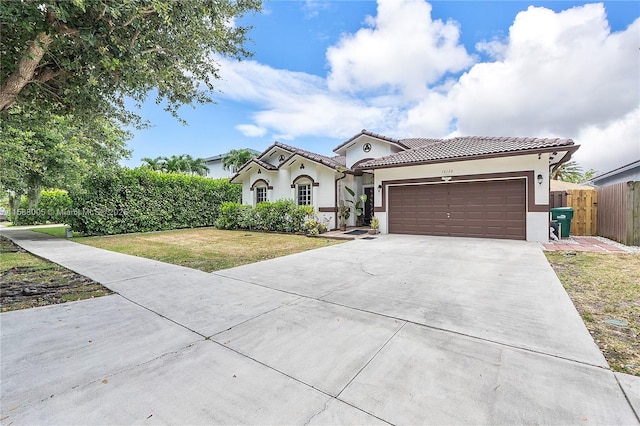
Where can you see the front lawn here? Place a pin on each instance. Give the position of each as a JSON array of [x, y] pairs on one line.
[[207, 249], [605, 288]]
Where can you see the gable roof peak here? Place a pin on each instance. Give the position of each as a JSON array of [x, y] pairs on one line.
[[365, 132]]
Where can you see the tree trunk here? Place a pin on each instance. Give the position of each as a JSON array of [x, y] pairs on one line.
[[25, 72], [34, 189], [14, 204]]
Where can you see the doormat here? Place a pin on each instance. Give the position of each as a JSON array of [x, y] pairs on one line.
[[368, 238], [357, 232]]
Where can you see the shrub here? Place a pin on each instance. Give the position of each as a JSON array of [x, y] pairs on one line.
[[54, 206], [280, 216], [142, 200], [313, 226]]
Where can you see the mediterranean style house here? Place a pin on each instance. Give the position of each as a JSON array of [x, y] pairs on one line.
[[491, 187]]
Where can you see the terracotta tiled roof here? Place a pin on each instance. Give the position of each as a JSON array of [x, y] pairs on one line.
[[419, 142], [333, 162], [253, 160], [426, 150], [340, 159], [373, 135], [264, 164]]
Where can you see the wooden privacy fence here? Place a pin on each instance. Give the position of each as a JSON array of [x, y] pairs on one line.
[[585, 208], [585, 211], [619, 212]]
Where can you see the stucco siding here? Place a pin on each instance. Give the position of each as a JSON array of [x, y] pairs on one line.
[[355, 153], [529, 165]]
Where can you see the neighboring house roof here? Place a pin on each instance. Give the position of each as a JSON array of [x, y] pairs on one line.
[[559, 185], [613, 173], [226, 154], [435, 150]]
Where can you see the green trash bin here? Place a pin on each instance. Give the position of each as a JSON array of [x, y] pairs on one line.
[[563, 215]]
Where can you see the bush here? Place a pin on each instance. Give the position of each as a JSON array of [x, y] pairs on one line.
[[280, 216], [54, 206], [142, 200]]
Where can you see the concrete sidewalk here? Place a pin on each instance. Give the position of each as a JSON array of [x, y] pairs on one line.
[[399, 330]]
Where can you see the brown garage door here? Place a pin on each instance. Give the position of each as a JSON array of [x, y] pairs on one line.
[[491, 209]]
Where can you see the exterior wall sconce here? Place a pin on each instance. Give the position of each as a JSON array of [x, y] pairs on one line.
[[301, 166], [540, 179], [446, 178], [380, 188]]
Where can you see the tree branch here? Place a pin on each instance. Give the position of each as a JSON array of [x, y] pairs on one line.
[[47, 74], [24, 73], [156, 50]]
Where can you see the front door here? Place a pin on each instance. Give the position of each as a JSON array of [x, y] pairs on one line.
[[368, 206]]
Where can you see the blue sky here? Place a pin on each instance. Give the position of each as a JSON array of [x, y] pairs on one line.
[[324, 70]]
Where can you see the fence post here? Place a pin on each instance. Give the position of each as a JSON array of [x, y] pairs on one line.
[[633, 214]]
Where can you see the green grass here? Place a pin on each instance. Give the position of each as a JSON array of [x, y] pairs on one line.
[[605, 286], [207, 249], [12, 260], [57, 231]]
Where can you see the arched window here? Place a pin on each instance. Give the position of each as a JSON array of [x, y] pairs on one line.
[[259, 189], [304, 190]]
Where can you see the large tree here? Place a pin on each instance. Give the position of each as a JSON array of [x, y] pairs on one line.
[[88, 56], [41, 150]]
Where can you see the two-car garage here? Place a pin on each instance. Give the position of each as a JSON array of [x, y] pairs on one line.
[[485, 209]]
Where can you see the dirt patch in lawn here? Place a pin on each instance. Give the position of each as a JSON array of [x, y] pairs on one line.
[[605, 288], [207, 249], [27, 281]]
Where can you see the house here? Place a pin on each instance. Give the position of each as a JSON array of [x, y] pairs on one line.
[[626, 173], [216, 169], [492, 187]]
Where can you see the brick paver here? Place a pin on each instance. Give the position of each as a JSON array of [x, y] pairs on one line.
[[582, 244]]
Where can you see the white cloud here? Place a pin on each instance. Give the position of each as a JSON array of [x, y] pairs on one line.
[[294, 104], [312, 8], [251, 130], [611, 146], [561, 71], [402, 48], [555, 74]]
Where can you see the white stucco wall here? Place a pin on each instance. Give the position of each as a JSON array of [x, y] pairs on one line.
[[216, 171], [379, 149], [282, 179], [537, 222]]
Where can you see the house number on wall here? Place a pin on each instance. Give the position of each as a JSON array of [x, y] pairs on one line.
[[447, 171], [366, 147]]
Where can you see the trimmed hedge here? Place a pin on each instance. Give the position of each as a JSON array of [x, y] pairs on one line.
[[280, 216], [142, 200], [54, 207]]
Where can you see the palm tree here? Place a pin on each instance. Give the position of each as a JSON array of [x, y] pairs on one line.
[[157, 164], [236, 158], [199, 167], [177, 164], [571, 171]]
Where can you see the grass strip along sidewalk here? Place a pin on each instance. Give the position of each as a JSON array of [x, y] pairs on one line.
[[26, 281], [605, 288]]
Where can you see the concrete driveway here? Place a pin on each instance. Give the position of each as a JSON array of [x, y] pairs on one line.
[[400, 330]]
